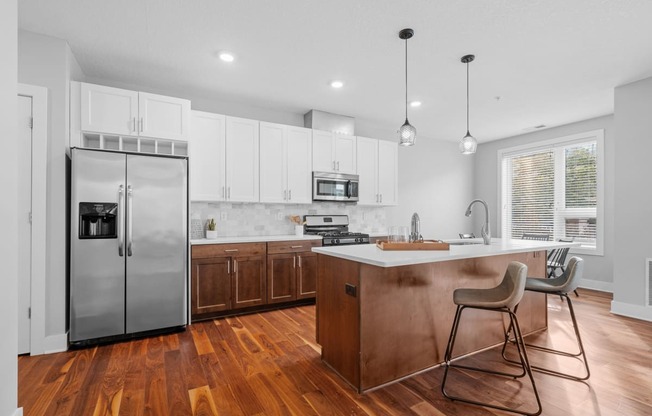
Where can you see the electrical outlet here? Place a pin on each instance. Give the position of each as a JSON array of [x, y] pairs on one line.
[[223, 215], [279, 216]]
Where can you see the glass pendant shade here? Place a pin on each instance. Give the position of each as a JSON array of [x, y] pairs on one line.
[[468, 144], [407, 133]]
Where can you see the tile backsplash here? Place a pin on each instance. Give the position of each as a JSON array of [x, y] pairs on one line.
[[240, 219]]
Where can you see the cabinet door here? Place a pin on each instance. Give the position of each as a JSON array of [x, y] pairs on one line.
[[248, 281], [211, 285], [345, 159], [388, 172], [163, 117], [299, 165], [322, 151], [242, 147], [281, 281], [109, 110], [273, 163], [367, 155], [207, 157], [306, 275]]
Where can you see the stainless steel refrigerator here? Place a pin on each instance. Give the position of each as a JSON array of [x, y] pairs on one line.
[[129, 244]]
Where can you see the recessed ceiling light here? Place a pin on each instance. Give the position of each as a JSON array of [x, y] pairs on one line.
[[337, 84], [227, 56], [415, 103]]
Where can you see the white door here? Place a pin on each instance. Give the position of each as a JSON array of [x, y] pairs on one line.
[[273, 163], [299, 165], [242, 160], [207, 157], [163, 117], [345, 159], [388, 172], [367, 155], [109, 110], [24, 224], [322, 151]]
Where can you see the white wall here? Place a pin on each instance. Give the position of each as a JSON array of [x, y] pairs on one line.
[[8, 209], [598, 272], [435, 180], [48, 62], [633, 206]]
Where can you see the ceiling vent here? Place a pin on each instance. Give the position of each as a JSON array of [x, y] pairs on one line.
[[321, 120]]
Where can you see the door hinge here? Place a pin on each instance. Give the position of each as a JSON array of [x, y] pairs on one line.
[[31, 122], [29, 313]]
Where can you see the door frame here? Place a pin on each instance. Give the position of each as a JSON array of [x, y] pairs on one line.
[[39, 97]]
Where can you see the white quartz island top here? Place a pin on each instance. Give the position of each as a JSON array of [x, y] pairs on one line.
[[254, 239], [371, 254]]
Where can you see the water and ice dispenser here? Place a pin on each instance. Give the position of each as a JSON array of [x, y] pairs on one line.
[[97, 220]]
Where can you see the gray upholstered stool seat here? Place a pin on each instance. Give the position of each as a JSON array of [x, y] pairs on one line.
[[503, 298], [562, 286]]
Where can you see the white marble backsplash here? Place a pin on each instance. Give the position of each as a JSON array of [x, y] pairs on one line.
[[241, 220]]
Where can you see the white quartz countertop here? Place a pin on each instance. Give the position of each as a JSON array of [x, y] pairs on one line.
[[255, 239], [371, 254]]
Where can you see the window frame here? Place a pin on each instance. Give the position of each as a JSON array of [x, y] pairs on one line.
[[550, 144]]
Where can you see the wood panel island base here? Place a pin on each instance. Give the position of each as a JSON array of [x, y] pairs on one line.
[[379, 323]]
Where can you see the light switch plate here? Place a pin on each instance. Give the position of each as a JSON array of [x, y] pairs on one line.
[[279, 216], [223, 215]]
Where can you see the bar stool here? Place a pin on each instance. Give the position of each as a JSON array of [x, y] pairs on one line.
[[562, 286], [503, 298]]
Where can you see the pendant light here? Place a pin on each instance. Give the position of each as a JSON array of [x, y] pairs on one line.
[[407, 132], [468, 144]]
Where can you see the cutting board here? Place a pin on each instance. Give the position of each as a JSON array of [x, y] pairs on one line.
[[424, 245]]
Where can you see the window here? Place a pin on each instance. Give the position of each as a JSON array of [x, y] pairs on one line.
[[555, 187]]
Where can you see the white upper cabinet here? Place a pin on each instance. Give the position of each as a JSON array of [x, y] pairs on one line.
[[377, 162], [109, 110], [130, 113], [242, 159], [164, 117], [285, 164], [207, 157], [332, 152]]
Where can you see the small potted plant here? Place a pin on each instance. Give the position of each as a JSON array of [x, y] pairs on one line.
[[211, 232]]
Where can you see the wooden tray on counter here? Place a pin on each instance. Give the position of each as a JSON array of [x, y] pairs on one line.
[[423, 245]]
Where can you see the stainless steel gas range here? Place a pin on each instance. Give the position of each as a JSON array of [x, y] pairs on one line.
[[334, 230]]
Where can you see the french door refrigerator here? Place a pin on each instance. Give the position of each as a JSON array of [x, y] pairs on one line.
[[129, 244]]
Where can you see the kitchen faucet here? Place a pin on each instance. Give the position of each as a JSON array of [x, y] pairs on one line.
[[415, 231], [486, 231]]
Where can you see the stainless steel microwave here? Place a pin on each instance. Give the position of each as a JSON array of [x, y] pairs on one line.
[[328, 186]]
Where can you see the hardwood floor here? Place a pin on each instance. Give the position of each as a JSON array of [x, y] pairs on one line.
[[268, 364]]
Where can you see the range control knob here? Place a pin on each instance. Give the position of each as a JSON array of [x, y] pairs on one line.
[[337, 241]]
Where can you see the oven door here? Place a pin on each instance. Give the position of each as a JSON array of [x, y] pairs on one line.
[[334, 187]]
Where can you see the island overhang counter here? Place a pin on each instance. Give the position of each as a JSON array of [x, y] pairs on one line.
[[386, 315]]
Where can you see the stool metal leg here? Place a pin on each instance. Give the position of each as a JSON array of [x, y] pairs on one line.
[[581, 354], [522, 355]]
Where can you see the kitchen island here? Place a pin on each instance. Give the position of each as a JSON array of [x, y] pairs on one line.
[[386, 315]]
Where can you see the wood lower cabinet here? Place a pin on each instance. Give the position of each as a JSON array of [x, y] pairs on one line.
[[226, 277], [291, 270]]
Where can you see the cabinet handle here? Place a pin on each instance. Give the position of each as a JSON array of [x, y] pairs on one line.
[[134, 124], [294, 263], [141, 124], [285, 195], [223, 194], [381, 198], [377, 198], [338, 166], [290, 195], [228, 193], [231, 250], [299, 261], [228, 267], [296, 246], [235, 266]]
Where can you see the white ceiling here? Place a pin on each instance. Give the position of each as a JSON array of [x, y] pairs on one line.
[[551, 62]]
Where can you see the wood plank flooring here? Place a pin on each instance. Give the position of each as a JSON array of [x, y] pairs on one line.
[[269, 364]]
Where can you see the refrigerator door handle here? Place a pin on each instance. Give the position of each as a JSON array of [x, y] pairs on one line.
[[121, 221], [130, 200]]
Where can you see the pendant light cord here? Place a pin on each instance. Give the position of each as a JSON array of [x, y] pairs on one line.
[[467, 98], [406, 78]]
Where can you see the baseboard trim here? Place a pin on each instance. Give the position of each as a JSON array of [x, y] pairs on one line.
[[597, 285], [18, 412], [631, 310], [55, 343]]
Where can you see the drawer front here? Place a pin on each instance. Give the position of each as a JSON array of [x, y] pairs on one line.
[[296, 246], [215, 250]]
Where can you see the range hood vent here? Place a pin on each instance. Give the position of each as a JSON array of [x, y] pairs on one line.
[[321, 120]]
